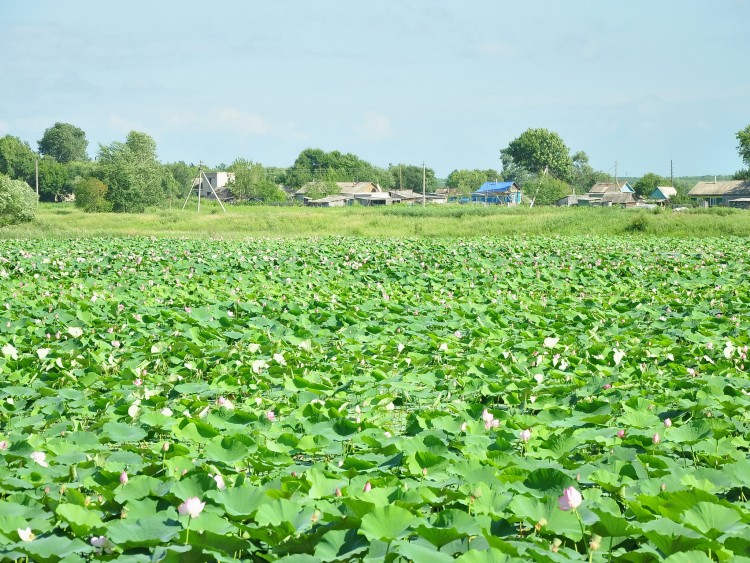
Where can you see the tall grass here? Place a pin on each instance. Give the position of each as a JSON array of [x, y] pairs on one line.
[[65, 221]]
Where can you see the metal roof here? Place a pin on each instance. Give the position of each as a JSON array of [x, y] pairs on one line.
[[493, 187], [732, 187]]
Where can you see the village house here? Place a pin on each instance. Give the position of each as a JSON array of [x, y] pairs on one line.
[[346, 189], [733, 193], [210, 182], [662, 194], [503, 193]]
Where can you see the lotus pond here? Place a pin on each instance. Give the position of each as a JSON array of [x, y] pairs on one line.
[[346, 399]]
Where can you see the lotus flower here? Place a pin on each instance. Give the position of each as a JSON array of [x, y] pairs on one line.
[[621, 433], [219, 481], [271, 416], [367, 488], [656, 439], [26, 534], [3, 444], [667, 423], [40, 458], [102, 543], [123, 478], [570, 499], [525, 435], [192, 506]]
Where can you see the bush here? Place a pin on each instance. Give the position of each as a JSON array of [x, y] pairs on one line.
[[91, 195], [17, 201]]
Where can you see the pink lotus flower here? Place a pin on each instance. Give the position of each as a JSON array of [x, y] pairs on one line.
[[219, 481], [570, 499], [192, 506], [656, 439], [621, 433], [102, 543], [525, 435], [367, 488], [40, 458], [123, 478], [3, 444], [271, 416], [667, 423]]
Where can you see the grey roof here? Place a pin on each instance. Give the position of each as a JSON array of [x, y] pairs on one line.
[[666, 191], [606, 187], [618, 198], [720, 189]]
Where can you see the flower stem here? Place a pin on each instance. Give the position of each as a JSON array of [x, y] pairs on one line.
[[187, 534], [583, 534]]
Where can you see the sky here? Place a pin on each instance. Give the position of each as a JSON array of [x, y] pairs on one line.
[[635, 84]]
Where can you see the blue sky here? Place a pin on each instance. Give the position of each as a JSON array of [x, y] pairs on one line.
[[639, 82]]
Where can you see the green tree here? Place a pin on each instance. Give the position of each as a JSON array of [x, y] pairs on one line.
[[538, 149], [184, 174], [646, 185], [18, 201], [251, 183], [54, 184], [546, 190], [409, 177], [64, 142], [316, 190], [743, 148], [91, 195], [468, 181], [316, 164], [135, 179], [16, 159]]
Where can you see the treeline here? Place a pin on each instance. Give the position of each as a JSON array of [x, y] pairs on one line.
[[127, 176]]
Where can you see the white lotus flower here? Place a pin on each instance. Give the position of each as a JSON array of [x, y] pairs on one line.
[[10, 351], [40, 458], [102, 543], [75, 331], [259, 365], [26, 534]]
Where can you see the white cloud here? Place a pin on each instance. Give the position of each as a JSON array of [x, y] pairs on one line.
[[248, 123], [374, 126]]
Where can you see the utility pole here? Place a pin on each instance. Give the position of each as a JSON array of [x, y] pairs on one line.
[[424, 183], [36, 175], [671, 173]]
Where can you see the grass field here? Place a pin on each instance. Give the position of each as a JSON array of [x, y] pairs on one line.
[[65, 221]]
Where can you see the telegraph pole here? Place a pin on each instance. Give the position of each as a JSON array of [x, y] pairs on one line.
[[36, 175], [424, 183]]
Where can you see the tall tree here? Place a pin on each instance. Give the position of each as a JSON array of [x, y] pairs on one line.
[[17, 201], [316, 164], [468, 181], [409, 177], [135, 179], [64, 142], [252, 184], [54, 184], [743, 148], [16, 159], [646, 185], [538, 149]]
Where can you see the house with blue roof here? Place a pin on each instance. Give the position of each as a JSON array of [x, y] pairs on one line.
[[502, 193]]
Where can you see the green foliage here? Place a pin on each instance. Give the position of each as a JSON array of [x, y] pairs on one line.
[[16, 159], [316, 190], [324, 403], [184, 174], [546, 190], [316, 164], [743, 146], [134, 177], [54, 183], [91, 195], [65, 143], [18, 202], [410, 177], [468, 181], [251, 183], [646, 185], [536, 150]]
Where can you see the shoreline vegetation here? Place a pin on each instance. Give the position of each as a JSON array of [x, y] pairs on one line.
[[64, 221]]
